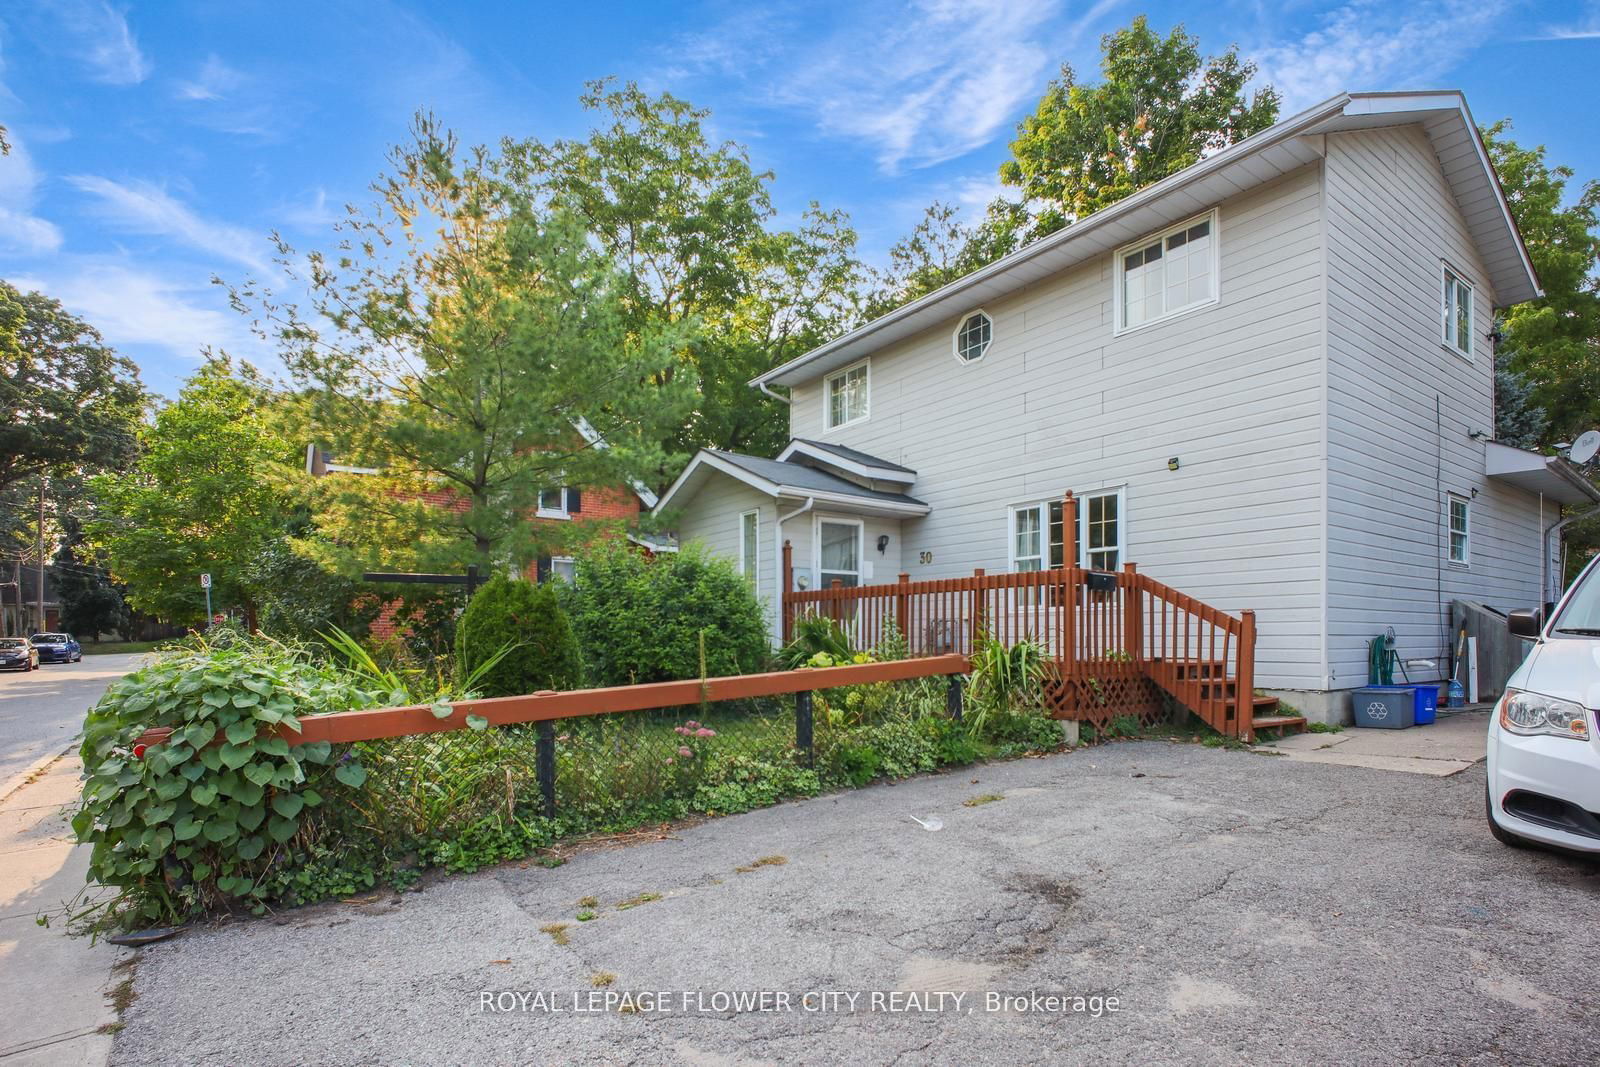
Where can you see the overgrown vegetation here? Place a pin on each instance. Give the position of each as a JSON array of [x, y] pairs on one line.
[[528, 623]]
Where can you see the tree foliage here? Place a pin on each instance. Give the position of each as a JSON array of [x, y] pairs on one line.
[[208, 492], [1160, 107], [474, 346], [687, 221], [67, 401], [528, 621], [1552, 345]]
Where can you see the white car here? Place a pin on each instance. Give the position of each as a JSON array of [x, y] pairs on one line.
[[1544, 744]]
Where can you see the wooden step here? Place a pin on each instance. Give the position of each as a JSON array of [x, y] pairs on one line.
[[1279, 722]]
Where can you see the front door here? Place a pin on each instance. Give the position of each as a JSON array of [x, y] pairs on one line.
[[838, 552]]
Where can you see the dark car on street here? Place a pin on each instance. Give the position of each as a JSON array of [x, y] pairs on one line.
[[17, 654], [57, 648]]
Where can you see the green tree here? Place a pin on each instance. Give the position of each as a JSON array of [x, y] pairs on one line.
[[1552, 345], [687, 222], [1160, 107], [208, 492], [92, 602], [528, 621], [942, 248], [67, 401], [473, 345]]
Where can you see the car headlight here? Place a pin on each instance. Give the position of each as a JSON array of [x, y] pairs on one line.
[[1533, 713]]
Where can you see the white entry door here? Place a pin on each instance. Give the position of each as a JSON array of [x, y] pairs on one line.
[[838, 552]]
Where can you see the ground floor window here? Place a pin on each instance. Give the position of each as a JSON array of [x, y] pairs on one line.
[[838, 552], [749, 545], [1038, 533], [1460, 518]]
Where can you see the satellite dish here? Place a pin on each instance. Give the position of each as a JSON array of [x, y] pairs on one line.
[[1585, 447]]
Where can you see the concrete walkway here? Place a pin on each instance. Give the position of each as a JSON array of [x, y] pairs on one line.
[[1448, 746]]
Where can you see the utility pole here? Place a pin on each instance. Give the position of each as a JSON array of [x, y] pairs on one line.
[[41, 554]]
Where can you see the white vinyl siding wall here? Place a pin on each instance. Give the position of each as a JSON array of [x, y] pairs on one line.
[[1391, 222], [1233, 389], [713, 517]]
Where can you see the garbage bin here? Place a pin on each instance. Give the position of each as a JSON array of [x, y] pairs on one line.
[[1392, 707]]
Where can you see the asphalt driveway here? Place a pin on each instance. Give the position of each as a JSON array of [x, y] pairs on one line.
[[1242, 908]]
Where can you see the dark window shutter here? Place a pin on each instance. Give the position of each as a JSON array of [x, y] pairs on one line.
[[543, 569], [574, 501]]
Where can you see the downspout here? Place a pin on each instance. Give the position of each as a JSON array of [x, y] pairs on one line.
[[777, 564], [776, 396]]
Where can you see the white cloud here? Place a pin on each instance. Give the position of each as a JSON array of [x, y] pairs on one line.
[[100, 36], [1377, 44], [1585, 29], [315, 214], [214, 81], [131, 306], [924, 82], [143, 208], [21, 231]]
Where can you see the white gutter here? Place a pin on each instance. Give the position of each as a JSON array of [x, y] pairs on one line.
[[777, 565], [768, 390]]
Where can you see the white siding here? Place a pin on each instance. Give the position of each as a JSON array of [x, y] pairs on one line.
[[711, 517], [1391, 458], [1234, 390]]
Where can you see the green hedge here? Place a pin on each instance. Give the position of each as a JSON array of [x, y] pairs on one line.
[[528, 622]]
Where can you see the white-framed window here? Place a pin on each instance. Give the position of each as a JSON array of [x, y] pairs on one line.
[[1038, 537], [839, 552], [553, 504], [1167, 273], [564, 569], [973, 337], [845, 396], [749, 544], [1458, 519], [1456, 313]]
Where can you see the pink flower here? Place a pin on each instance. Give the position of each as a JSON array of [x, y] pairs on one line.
[[669, 761], [691, 724], [704, 732], [684, 730], [561, 737], [686, 752]]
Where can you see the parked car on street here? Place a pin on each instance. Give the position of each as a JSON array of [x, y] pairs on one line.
[[18, 654], [57, 648], [1544, 748]]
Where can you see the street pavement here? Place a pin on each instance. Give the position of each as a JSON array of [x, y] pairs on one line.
[[1243, 908], [41, 712], [52, 987]]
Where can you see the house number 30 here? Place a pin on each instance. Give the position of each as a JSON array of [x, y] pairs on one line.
[[925, 557]]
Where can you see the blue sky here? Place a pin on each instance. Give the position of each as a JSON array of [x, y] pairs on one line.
[[157, 144]]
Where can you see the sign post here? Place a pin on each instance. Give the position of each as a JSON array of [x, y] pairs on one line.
[[205, 583]]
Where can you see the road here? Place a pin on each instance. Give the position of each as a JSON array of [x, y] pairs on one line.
[[1243, 908], [42, 712]]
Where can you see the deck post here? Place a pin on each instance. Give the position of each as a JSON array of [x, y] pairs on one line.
[[803, 725], [1245, 679], [1132, 613], [1069, 585], [953, 693], [545, 766], [902, 608], [978, 601], [786, 608]]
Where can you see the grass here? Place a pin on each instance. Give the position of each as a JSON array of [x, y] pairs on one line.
[[113, 648], [634, 902], [979, 801], [588, 902], [601, 979], [557, 932], [764, 861]]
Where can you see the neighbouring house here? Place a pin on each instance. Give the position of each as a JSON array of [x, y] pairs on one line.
[[601, 508], [1268, 380]]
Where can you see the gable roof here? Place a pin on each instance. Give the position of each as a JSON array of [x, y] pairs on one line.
[[776, 478], [1275, 151], [851, 460]]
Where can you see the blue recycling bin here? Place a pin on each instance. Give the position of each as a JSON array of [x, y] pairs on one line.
[[1424, 701]]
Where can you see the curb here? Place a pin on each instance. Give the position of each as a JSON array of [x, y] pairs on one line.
[[25, 778]]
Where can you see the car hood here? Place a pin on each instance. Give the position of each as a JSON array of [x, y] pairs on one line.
[[1565, 668]]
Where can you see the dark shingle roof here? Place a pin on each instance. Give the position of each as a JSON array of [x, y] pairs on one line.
[[856, 456], [801, 477]]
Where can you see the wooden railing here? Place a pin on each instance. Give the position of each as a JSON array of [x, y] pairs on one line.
[[1111, 634]]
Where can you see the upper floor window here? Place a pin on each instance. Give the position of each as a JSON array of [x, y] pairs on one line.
[[1457, 313], [559, 503], [973, 337], [1460, 517], [846, 396], [1167, 274]]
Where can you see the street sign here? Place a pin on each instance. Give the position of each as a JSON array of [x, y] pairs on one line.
[[205, 581]]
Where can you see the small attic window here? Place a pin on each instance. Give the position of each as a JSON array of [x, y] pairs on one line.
[[973, 337]]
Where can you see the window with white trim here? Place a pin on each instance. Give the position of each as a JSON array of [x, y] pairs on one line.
[[838, 552], [973, 337], [846, 396], [749, 544], [552, 504], [1168, 273], [1459, 518], [1038, 535], [1456, 313], [564, 569]]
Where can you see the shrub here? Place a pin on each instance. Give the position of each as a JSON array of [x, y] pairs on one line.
[[528, 621], [815, 635], [642, 619], [206, 818]]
